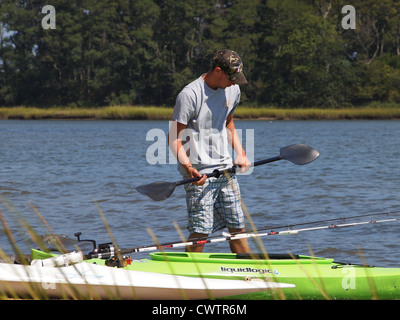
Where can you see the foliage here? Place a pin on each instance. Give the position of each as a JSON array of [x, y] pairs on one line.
[[127, 52]]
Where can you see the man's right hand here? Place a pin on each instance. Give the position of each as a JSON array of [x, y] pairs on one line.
[[193, 173]]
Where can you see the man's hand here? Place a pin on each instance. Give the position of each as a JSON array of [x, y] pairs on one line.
[[243, 162], [193, 173]]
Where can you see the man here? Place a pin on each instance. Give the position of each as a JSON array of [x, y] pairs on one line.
[[201, 130]]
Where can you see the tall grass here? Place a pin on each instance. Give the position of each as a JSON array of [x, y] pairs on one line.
[[35, 290], [372, 112]]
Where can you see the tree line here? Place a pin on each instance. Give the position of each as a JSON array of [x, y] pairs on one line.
[[296, 53]]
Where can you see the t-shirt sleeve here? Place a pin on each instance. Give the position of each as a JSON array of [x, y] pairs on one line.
[[236, 102], [184, 108]]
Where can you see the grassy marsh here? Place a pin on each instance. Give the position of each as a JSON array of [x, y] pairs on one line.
[[165, 113], [105, 113]]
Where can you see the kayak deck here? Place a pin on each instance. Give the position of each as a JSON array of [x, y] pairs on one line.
[[312, 277]]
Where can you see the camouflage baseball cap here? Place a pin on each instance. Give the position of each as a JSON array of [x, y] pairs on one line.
[[230, 62]]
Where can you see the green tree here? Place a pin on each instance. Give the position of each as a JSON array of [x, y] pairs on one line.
[[58, 57], [305, 57], [104, 52], [18, 55]]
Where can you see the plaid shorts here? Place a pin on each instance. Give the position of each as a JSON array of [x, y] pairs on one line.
[[214, 205]]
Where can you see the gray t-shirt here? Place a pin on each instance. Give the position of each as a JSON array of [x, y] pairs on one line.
[[204, 111]]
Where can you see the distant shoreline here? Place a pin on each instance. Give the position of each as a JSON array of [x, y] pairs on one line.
[[165, 113]]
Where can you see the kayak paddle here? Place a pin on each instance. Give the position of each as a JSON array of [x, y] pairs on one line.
[[297, 153]]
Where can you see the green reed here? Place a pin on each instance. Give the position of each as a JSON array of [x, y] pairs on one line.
[[37, 292]]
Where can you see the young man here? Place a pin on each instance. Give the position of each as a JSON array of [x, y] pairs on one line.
[[201, 130]]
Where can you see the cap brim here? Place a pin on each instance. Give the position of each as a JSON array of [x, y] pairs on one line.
[[240, 79]]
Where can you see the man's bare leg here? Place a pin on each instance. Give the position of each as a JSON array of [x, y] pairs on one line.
[[237, 246], [240, 245], [196, 247]]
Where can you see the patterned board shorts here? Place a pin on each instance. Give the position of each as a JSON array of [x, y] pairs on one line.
[[215, 205]]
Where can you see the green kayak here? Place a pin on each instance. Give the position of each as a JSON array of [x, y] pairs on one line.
[[313, 277]]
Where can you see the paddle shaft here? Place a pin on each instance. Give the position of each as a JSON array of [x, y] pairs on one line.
[[217, 173]]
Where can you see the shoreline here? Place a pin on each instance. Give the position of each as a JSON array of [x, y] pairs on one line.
[[165, 113]]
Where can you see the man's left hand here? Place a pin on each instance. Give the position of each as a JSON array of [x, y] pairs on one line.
[[243, 162]]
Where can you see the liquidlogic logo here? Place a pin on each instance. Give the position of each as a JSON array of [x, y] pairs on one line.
[[246, 270]]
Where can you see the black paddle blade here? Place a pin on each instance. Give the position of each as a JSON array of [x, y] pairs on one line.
[[299, 154], [157, 191]]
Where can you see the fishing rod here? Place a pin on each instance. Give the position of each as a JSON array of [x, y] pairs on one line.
[[296, 231], [242, 235], [107, 250], [289, 226]]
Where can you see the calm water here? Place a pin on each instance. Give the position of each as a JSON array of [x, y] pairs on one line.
[[69, 170]]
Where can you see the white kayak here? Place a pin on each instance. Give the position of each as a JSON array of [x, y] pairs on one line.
[[84, 280]]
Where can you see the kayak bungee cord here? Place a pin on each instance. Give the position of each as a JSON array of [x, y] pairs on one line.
[[107, 250]]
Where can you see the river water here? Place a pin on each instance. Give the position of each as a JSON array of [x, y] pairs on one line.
[[69, 171]]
